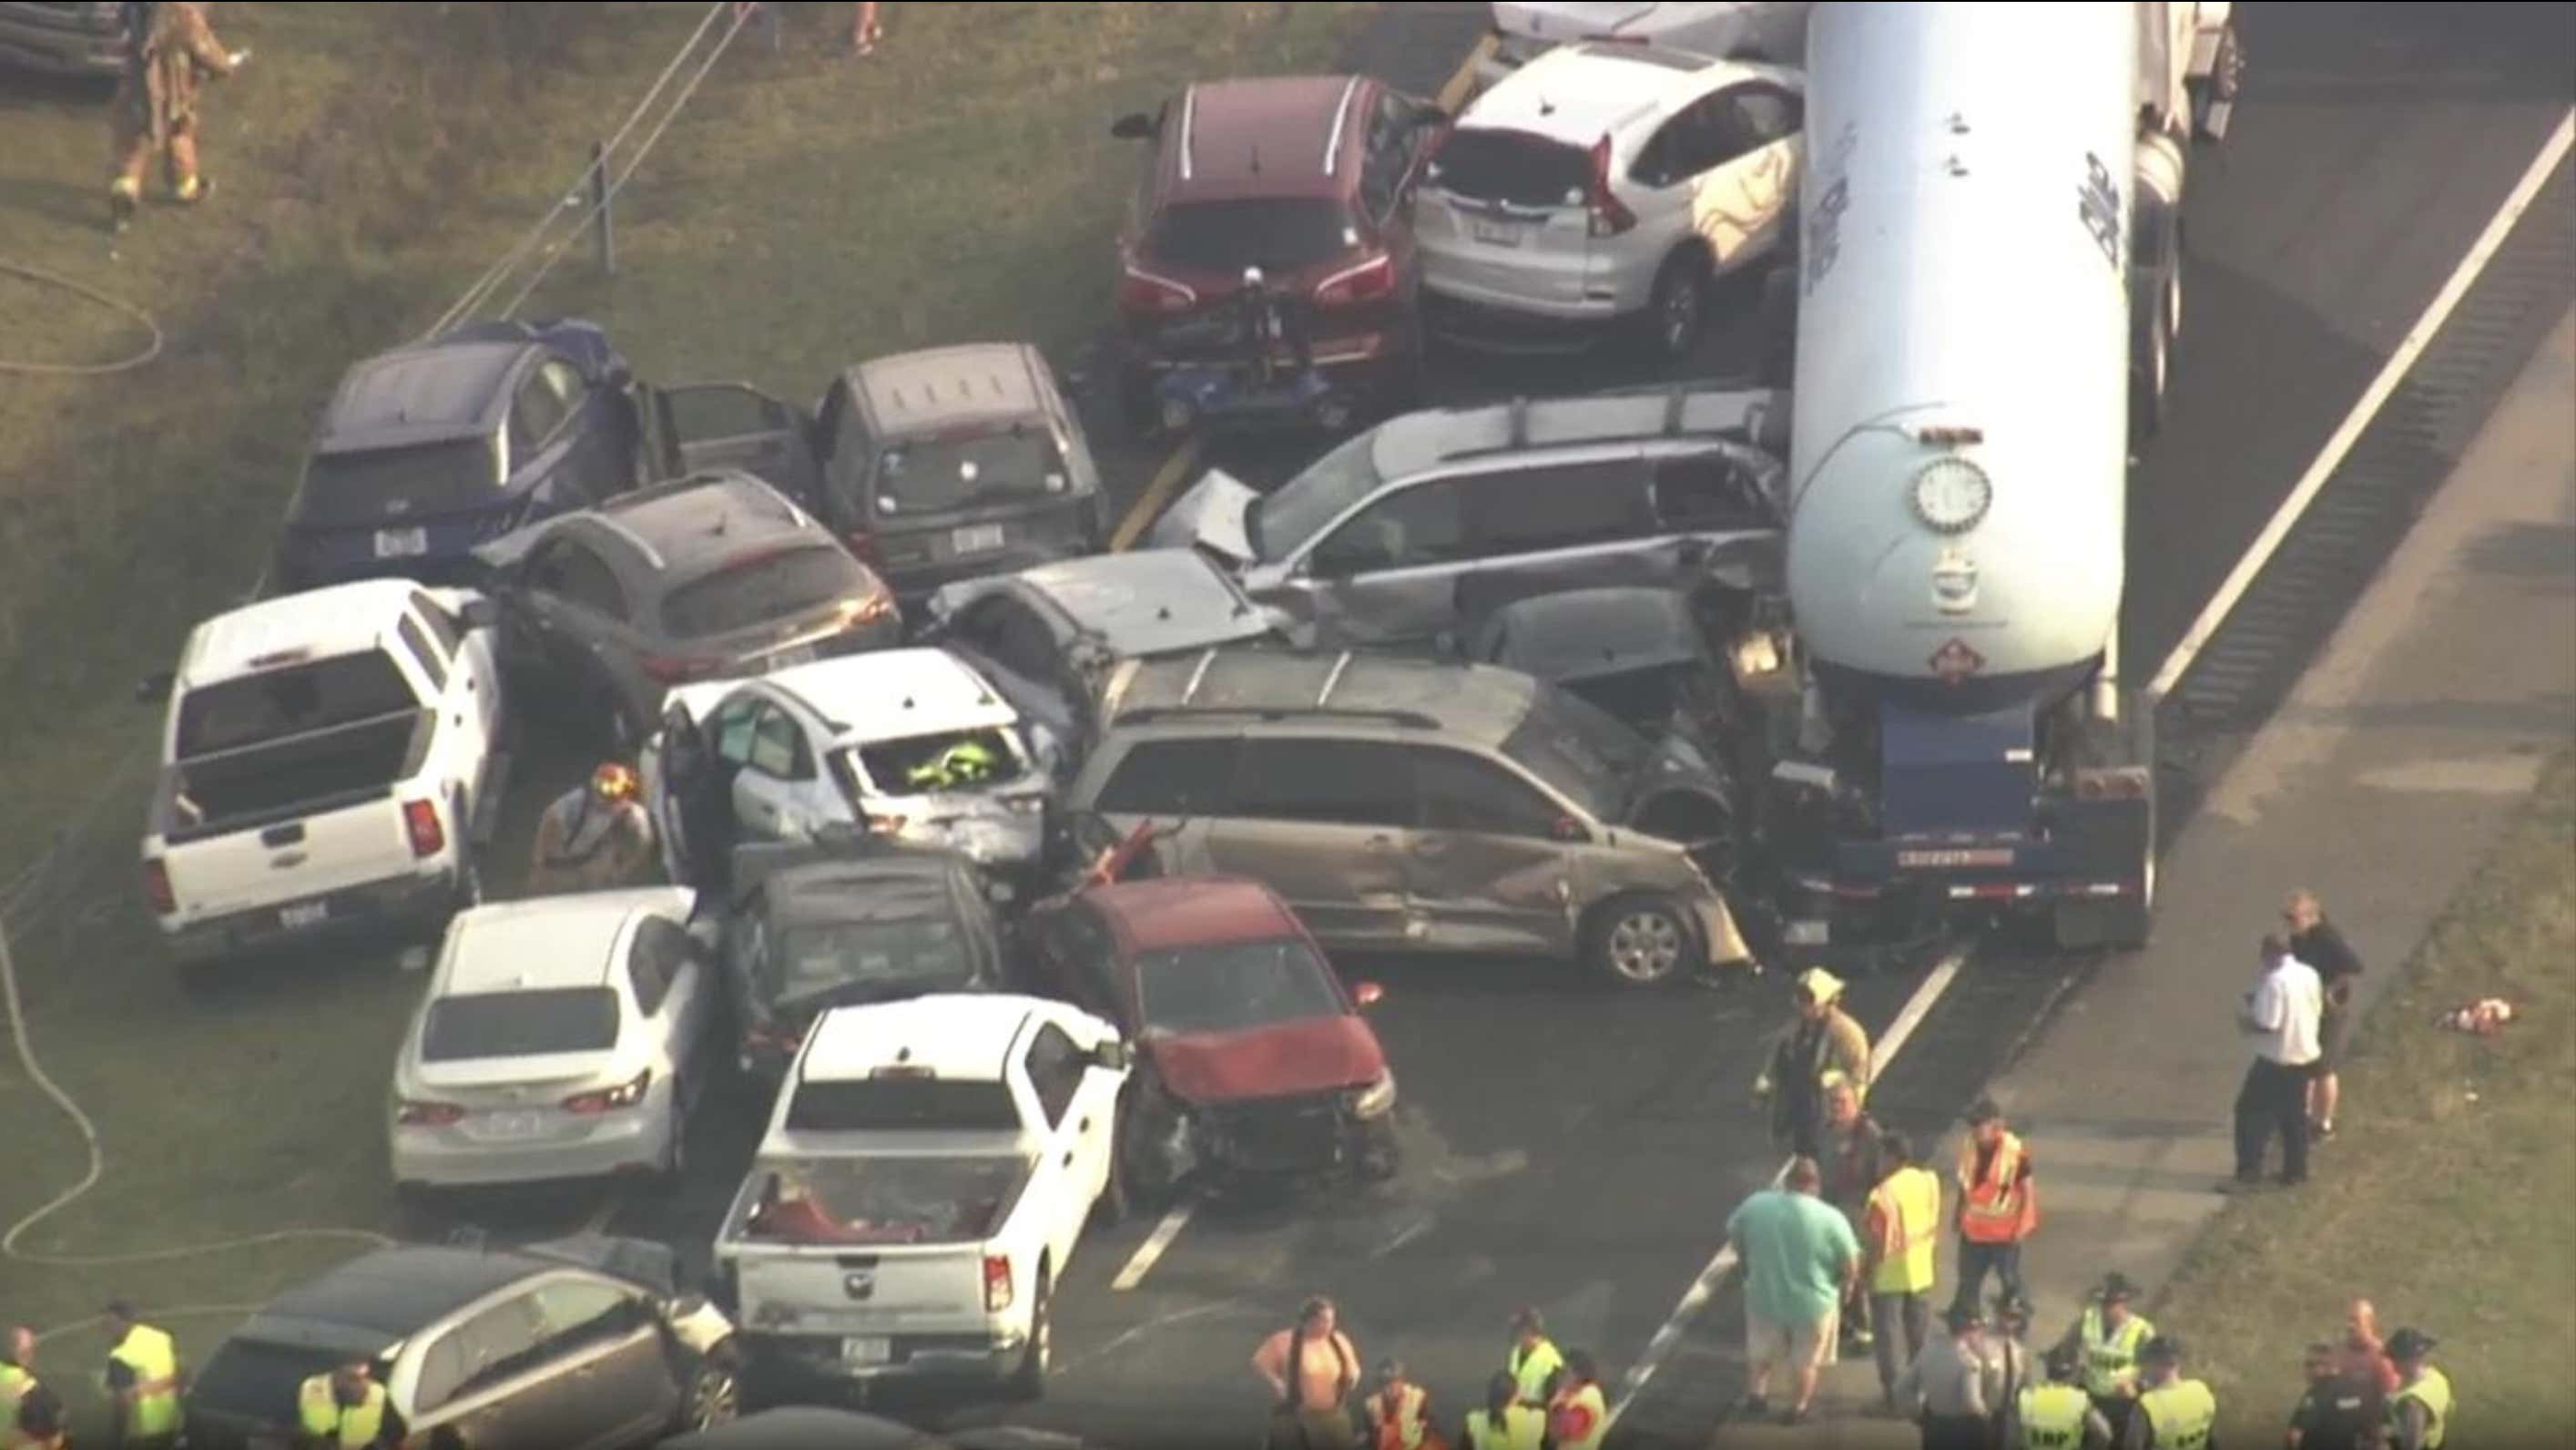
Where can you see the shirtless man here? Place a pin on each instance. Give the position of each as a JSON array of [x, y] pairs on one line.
[[1311, 1369]]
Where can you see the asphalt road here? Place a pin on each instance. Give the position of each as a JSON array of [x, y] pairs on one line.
[[1577, 1150]]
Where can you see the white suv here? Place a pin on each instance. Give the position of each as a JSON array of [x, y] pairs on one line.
[[1607, 182]]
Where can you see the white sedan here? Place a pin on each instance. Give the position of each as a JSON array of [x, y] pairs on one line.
[[563, 1037]]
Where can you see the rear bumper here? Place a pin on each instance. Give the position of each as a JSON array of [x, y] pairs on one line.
[[1488, 326], [447, 1158], [957, 1359], [350, 914], [1361, 364]]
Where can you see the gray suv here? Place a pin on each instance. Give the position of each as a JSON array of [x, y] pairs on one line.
[[1411, 805], [1412, 530]]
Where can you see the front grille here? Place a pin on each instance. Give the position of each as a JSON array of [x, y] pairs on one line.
[[1280, 1134]]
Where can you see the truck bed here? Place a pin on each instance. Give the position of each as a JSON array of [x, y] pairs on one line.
[[258, 785]]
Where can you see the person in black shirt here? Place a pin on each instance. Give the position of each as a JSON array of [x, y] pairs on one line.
[[2314, 940], [2338, 1412]]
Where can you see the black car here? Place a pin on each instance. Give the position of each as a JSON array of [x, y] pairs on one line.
[[705, 577], [429, 450], [846, 921], [585, 1344]]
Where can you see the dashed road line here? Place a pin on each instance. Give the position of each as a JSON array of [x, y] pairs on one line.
[[1149, 505], [1151, 1251]]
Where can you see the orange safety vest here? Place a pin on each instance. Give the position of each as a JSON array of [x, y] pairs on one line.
[[1400, 1425], [1995, 1209]]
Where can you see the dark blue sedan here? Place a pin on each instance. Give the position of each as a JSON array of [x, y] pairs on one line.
[[430, 450]]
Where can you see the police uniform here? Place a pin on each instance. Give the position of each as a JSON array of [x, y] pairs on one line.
[[2175, 1414], [143, 1370], [1531, 1369], [2110, 1354], [330, 1425], [2426, 1390]]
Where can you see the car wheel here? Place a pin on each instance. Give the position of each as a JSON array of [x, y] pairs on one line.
[[1640, 941], [715, 1392], [1677, 310], [1030, 1382]]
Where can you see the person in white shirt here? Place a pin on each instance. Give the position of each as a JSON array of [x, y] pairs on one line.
[[2281, 1014]]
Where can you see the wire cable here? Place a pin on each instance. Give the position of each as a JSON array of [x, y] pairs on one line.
[[42, 278]]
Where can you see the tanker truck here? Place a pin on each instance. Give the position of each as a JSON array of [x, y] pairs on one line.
[[1988, 292]]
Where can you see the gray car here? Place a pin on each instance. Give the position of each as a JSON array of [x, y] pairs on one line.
[[1410, 530], [71, 37], [1411, 805], [934, 466], [706, 577], [1048, 637]]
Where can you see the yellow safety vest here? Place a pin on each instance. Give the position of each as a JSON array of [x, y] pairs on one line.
[[1909, 1209], [1588, 1398], [2182, 1412], [2111, 1359], [1531, 1369], [154, 1359], [352, 1427], [1523, 1428], [2432, 1390], [1405, 1417], [14, 1384], [2052, 1417]]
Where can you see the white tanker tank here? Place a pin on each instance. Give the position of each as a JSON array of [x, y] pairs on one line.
[[1987, 284]]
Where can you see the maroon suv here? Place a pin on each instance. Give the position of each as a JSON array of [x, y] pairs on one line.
[[1251, 1061], [1310, 179]]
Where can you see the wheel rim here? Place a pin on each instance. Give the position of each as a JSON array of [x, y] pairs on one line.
[[1681, 314], [718, 1399], [1645, 946]]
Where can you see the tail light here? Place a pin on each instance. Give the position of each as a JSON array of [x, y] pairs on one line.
[[624, 1095], [1142, 291], [428, 837], [1608, 218], [1366, 282], [997, 1283], [678, 669], [427, 1115], [156, 885]]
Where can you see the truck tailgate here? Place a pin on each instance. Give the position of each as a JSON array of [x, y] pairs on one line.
[[302, 856], [855, 1291]]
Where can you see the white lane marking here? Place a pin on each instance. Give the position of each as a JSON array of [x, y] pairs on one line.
[[1412, 1231], [1131, 1335], [1152, 1249], [2372, 399], [597, 1223], [1704, 1288]]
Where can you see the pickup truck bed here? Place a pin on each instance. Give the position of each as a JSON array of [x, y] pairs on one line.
[[237, 790]]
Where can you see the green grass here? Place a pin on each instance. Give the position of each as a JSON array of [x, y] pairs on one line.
[[2445, 1197], [808, 211]]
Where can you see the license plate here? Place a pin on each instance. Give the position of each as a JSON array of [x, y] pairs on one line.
[[1940, 860], [976, 539], [867, 1351], [1807, 934], [296, 918], [1499, 234], [512, 1125], [401, 543]]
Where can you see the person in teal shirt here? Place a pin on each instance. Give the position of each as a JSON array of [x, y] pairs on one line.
[[1800, 1258]]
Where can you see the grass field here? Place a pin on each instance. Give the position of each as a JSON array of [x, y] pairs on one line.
[[2444, 1198], [807, 211]]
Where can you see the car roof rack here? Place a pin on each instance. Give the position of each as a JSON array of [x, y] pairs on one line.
[[1147, 714]]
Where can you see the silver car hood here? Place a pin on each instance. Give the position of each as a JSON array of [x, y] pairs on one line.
[[1214, 515]]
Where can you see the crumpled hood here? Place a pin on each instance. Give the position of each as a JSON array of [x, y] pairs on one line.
[[1312, 1056]]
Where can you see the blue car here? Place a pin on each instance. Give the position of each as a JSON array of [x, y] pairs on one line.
[[430, 450]]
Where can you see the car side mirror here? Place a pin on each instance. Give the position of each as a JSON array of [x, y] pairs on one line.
[[1368, 994], [1134, 126], [154, 687], [481, 614], [1567, 829]]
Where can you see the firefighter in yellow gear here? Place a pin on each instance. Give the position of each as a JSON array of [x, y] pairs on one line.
[[595, 837], [143, 1381], [2173, 1413], [172, 49], [343, 1410]]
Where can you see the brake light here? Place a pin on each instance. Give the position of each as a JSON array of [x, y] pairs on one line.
[[428, 837], [1365, 282], [678, 669], [997, 1283], [1607, 217], [427, 1115], [1143, 291], [156, 885], [624, 1095]]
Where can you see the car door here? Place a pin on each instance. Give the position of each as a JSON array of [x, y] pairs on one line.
[[1385, 574], [1743, 198], [604, 1342], [668, 981], [507, 1395], [734, 425], [1718, 519], [1182, 785], [577, 613], [1078, 962], [1400, 138], [1078, 1131], [1487, 868], [777, 764], [465, 741], [1323, 822], [1553, 526]]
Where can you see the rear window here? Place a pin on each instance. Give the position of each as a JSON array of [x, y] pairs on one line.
[[766, 590], [968, 470], [926, 953], [887, 1200], [257, 1380], [1513, 167], [903, 1104], [1274, 234], [381, 484], [296, 700], [926, 764], [520, 1024]]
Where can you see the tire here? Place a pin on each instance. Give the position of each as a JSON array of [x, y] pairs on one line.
[[1640, 941], [1676, 315], [714, 1394], [1028, 1383]]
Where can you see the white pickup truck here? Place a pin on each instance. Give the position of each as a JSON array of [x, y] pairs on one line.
[[927, 1174], [327, 760]]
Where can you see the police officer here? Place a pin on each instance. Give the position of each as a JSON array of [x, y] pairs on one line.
[[2056, 1415], [344, 1410], [2173, 1413], [2419, 1414], [1533, 1361], [595, 837], [143, 1381], [1505, 1423], [2108, 1335]]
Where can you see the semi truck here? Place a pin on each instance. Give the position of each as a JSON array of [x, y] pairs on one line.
[[1987, 288]]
